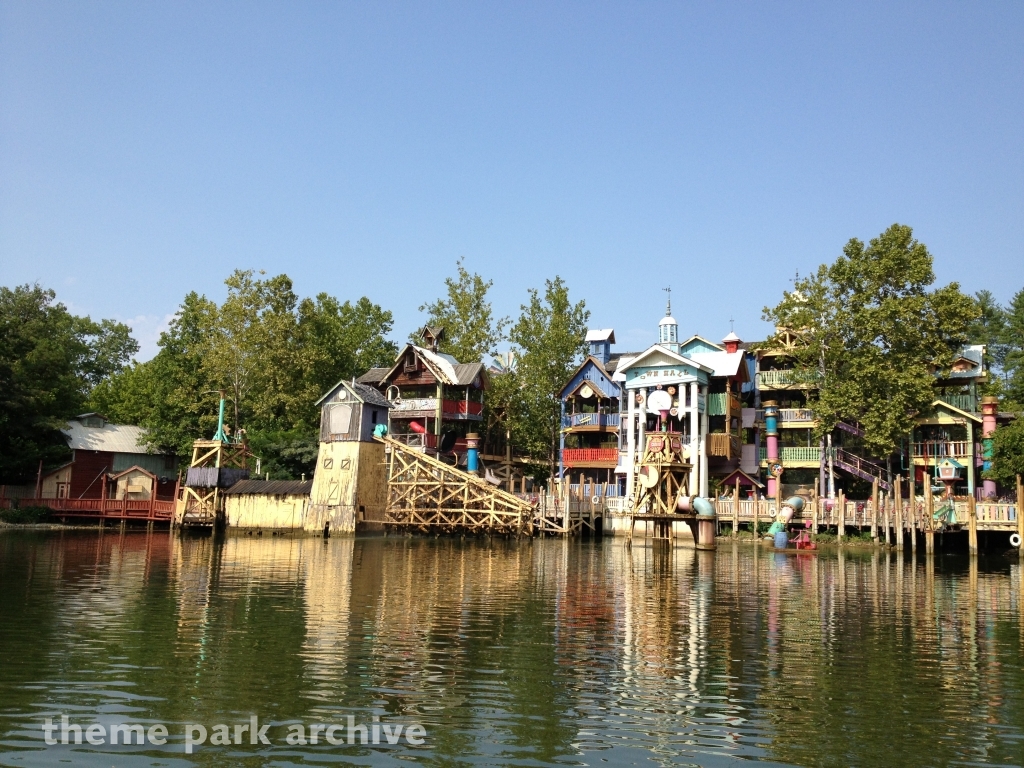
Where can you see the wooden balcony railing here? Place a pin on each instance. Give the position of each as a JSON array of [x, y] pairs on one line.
[[795, 453], [721, 444], [572, 456], [590, 420], [941, 449]]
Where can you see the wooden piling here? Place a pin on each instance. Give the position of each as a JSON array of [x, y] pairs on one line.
[[929, 513], [874, 510], [1020, 528], [898, 499], [972, 525], [815, 510], [913, 512], [736, 510], [841, 506]]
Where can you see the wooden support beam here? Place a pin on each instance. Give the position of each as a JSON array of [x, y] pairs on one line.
[[972, 525], [929, 512], [898, 499], [874, 510], [841, 507]]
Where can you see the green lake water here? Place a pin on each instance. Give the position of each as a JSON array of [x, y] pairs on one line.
[[531, 652]]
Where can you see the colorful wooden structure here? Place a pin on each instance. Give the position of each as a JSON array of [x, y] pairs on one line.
[[434, 398], [589, 443]]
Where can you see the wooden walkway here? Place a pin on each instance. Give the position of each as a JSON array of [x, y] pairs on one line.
[[141, 510]]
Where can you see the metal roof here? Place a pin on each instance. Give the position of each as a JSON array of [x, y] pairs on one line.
[[362, 392], [601, 334], [373, 376], [270, 488], [114, 438]]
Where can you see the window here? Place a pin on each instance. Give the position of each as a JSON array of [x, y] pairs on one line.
[[373, 417]]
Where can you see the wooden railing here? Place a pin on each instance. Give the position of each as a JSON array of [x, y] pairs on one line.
[[721, 444], [571, 456], [940, 449], [118, 509], [590, 420], [795, 453]]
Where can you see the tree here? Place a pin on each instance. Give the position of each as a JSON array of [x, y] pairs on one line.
[[872, 334], [1013, 339], [273, 355], [341, 341], [49, 361], [1008, 452], [549, 344], [990, 329], [471, 331]]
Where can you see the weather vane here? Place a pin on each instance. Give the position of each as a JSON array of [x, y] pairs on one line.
[[668, 307]]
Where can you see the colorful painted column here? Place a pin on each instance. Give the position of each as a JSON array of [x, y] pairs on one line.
[[989, 407], [472, 453], [771, 429]]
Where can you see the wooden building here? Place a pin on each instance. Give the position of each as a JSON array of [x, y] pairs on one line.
[[349, 485], [100, 449], [267, 504], [431, 394], [590, 405]]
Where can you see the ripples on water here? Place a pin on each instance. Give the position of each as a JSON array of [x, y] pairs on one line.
[[510, 653]]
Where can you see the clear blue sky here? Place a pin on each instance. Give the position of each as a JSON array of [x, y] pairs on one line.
[[148, 149]]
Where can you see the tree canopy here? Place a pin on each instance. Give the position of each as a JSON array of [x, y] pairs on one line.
[[273, 355], [873, 333], [548, 342], [471, 331], [49, 361]]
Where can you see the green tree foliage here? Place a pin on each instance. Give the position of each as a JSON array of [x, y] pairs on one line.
[[989, 328], [272, 354], [1013, 362], [549, 344], [1008, 453], [872, 334], [49, 361], [471, 330]]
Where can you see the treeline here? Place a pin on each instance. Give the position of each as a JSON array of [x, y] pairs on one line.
[[273, 354], [873, 329]]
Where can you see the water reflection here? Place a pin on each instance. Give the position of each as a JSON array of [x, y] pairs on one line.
[[536, 652]]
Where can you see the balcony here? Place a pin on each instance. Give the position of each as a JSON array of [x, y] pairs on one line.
[[425, 407], [576, 457], [795, 454], [723, 404], [782, 380], [790, 415], [941, 449], [721, 444], [965, 402], [596, 420]]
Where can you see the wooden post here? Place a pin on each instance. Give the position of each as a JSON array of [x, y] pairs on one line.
[[913, 511], [874, 510], [1020, 530], [736, 509], [757, 510], [898, 498], [841, 502], [929, 512], [972, 525], [815, 511], [39, 481]]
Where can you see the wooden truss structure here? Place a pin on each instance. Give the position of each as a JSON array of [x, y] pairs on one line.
[[426, 494], [202, 506], [661, 479]]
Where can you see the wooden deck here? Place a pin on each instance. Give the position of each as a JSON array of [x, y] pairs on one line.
[[142, 510]]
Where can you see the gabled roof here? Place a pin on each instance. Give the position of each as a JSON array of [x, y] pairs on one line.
[[946, 406], [590, 360], [975, 356], [361, 392], [602, 334], [659, 349], [373, 376], [695, 337], [133, 468], [722, 363], [444, 368], [744, 478], [112, 438]]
